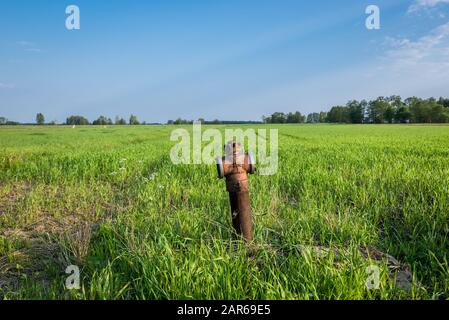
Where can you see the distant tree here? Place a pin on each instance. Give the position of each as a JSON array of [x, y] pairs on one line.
[[444, 102], [381, 110], [280, 117], [120, 121], [323, 117], [3, 120], [40, 119], [77, 120], [395, 101], [356, 111], [437, 114], [421, 110], [402, 115], [286, 118], [133, 120], [182, 121], [102, 121], [300, 117], [313, 118], [392, 110], [389, 114], [291, 117], [377, 109], [338, 114], [445, 116]]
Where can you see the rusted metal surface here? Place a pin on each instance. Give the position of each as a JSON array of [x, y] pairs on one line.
[[235, 167]]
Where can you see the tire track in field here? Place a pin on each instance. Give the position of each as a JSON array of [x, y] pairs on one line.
[[292, 136]]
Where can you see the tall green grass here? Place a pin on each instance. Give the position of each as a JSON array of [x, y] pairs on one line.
[[110, 201]]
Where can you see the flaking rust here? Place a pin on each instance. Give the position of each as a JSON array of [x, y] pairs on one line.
[[235, 167]]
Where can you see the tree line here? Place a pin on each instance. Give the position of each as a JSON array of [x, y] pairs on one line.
[[180, 121], [133, 120], [280, 117], [4, 121], [381, 110], [102, 120], [80, 120]]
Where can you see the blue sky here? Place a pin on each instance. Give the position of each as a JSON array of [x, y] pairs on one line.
[[224, 59]]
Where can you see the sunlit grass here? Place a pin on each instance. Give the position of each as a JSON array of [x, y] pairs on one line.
[[110, 201]]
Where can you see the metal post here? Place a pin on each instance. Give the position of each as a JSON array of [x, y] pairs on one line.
[[235, 167]]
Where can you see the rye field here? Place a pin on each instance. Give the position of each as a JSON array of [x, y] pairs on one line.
[[348, 203]]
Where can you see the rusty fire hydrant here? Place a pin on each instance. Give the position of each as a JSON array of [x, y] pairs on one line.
[[235, 167]]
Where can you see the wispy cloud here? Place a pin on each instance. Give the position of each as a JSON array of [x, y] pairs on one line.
[[6, 86], [407, 67], [25, 43], [422, 4], [28, 46], [431, 50], [33, 50]]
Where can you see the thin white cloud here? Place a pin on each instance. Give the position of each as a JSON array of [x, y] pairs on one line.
[[6, 85], [33, 50], [407, 67], [28, 46], [431, 50], [421, 4], [25, 43]]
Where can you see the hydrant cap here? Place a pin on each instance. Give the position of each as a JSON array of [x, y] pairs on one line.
[[233, 147]]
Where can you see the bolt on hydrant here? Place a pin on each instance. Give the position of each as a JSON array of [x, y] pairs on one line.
[[235, 167]]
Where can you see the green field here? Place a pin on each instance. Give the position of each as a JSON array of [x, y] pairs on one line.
[[110, 201]]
